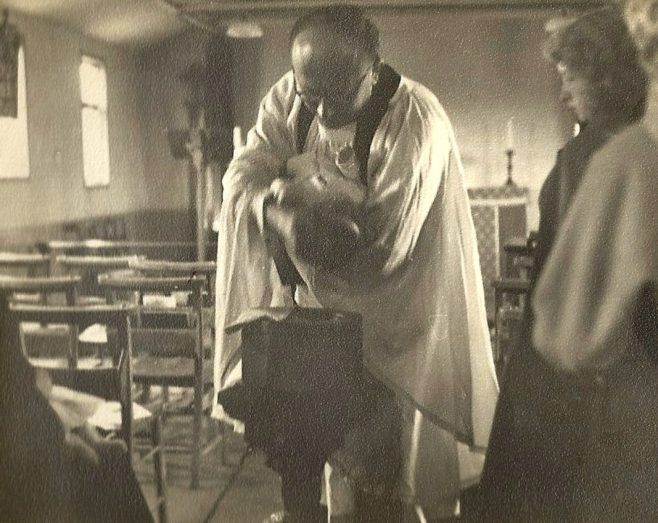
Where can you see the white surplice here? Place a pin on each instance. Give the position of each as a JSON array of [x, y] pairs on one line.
[[417, 284]]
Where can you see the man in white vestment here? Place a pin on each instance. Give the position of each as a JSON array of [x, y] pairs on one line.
[[404, 253]]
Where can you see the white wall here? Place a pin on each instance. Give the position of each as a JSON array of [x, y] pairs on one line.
[[55, 190]]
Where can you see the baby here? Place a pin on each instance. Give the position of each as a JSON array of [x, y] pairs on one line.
[[323, 193]]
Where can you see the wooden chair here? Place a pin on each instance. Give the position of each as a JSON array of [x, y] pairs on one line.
[[44, 290], [206, 268], [40, 287], [168, 341], [509, 296], [110, 380], [519, 253], [166, 268]]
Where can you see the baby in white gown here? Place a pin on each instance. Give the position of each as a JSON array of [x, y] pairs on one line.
[[324, 185]]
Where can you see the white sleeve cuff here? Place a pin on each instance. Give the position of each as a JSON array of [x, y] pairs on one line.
[[258, 208]]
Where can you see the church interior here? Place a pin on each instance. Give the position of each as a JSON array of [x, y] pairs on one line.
[[127, 114]]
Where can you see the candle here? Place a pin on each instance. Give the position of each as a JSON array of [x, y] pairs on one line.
[[509, 135]]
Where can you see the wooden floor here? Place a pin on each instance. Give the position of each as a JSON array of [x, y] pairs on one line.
[[253, 496], [235, 487]]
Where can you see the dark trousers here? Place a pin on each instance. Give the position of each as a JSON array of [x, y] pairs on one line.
[[301, 491], [301, 499], [299, 439]]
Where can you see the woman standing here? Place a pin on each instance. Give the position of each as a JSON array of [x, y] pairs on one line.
[[539, 439], [596, 307]]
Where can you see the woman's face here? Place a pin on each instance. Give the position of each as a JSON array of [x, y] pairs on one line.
[[575, 93]]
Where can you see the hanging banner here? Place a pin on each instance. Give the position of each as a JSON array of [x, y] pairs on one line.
[[9, 44]]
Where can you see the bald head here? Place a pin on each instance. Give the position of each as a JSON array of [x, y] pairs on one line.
[[332, 79], [335, 66], [326, 55], [347, 22]]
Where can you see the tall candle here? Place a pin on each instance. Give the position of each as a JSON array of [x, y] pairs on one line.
[[509, 135]]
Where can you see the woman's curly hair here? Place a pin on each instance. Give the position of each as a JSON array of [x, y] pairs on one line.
[[642, 20], [598, 48]]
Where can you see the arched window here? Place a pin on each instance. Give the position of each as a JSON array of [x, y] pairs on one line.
[[95, 142]]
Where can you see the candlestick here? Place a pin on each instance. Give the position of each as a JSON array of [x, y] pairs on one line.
[[510, 154]]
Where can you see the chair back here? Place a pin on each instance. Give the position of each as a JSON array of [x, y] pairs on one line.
[[169, 312], [110, 380], [189, 269], [170, 250], [41, 339], [87, 247], [40, 287], [90, 267], [25, 264], [175, 268]]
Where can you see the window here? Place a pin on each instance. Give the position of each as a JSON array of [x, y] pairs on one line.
[[95, 143], [14, 152]]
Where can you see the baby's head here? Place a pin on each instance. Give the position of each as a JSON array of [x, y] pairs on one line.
[[327, 234]]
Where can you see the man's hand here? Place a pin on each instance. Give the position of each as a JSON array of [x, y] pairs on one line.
[[294, 189], [287, 193], [280, 219]]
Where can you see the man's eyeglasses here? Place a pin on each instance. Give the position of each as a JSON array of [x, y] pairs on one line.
[[332, 96]]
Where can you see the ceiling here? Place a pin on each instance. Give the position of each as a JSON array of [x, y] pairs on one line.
[[129, 22], [142, 22]]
